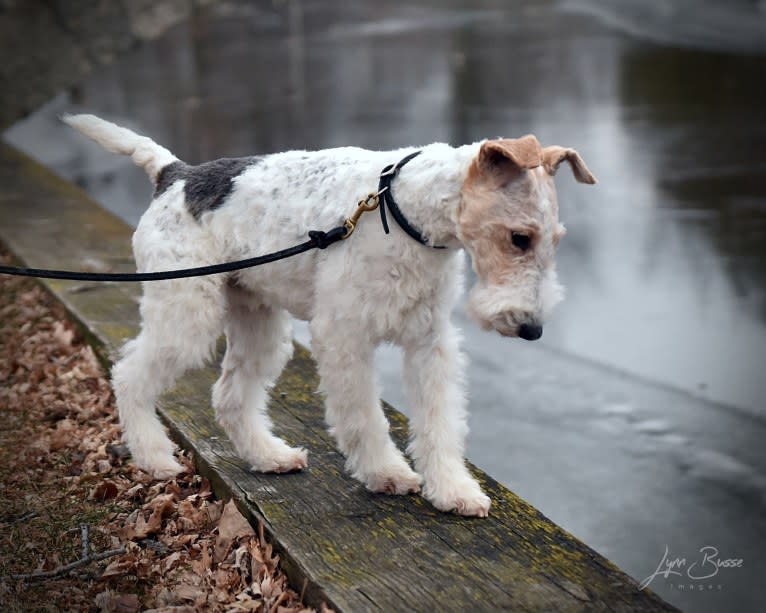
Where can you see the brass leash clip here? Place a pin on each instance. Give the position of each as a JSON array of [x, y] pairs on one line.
[[370, 203]]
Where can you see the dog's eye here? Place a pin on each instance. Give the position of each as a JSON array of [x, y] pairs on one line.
[[522, 241]]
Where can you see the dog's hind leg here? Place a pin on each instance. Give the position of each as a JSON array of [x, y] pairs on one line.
[[180, 322], [258, 345]]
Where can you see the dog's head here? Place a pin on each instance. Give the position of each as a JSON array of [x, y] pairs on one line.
[[508, 222]]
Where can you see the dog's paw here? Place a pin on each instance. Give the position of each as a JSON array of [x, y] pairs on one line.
[[472, 506], [153, 453], [283, 459], [463, 497], [160, 466], [398, 479]]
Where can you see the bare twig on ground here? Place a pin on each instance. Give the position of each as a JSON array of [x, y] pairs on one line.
[[85, 544], [17, 520], [63, 570]]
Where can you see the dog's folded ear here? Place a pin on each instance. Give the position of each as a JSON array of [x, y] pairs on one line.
[[523, 153], [507, 157], [553, 156]]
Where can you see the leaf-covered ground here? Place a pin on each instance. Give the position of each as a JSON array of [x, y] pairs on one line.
[[69, 492]]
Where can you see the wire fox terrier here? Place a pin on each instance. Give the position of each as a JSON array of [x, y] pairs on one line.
[[496, 199]]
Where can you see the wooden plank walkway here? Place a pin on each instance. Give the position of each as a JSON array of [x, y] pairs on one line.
[[355, 551]]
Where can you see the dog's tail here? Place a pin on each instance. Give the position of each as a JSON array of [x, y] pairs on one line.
[[143, 151]]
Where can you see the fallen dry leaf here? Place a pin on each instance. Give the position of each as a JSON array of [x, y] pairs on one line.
[[111, 602], [62, 334], [120, 566], [232, 525], [127, 603], [105, 490], [64, 435]]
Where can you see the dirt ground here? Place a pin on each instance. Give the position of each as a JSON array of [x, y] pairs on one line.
[[81, 529]]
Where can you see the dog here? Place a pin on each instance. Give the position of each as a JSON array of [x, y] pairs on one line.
[[495, 198]]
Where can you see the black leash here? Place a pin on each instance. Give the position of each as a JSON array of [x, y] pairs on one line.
[[317, 240]]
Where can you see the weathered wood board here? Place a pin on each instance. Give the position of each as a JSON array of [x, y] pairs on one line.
[[354, 550]]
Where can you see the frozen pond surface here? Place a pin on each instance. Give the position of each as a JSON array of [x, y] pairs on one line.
[[638, 420]]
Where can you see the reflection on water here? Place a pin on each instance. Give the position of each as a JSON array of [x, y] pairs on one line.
[[709, 171], [664, 260], [736, 25], [681, 247]]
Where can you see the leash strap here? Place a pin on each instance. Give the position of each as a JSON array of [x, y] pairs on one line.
[[317, 240], [384, 189]]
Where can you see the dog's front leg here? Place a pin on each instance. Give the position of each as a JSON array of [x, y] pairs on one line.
[[345, 358], [433, 367]]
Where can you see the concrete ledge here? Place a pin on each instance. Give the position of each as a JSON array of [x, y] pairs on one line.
[[354, 550]]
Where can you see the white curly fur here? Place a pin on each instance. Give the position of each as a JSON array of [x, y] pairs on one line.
[[356, 294]]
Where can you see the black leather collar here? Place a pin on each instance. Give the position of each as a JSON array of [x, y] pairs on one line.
[[388, 202]]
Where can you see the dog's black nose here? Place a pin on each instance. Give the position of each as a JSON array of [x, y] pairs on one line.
[[530, 332]]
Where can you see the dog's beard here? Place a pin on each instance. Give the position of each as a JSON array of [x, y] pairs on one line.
[[551, 293], [504, 307]]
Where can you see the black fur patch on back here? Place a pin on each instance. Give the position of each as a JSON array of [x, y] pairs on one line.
[[207, 185], [168, 175]]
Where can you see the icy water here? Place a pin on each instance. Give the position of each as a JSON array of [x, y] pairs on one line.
[[638, 421]]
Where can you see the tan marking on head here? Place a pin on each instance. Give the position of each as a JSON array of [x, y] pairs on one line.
[[508, 189], [504, 159], [553, 156], [500, 197], [525, 152]]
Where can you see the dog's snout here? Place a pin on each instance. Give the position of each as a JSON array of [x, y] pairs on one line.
[[530, 332]]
